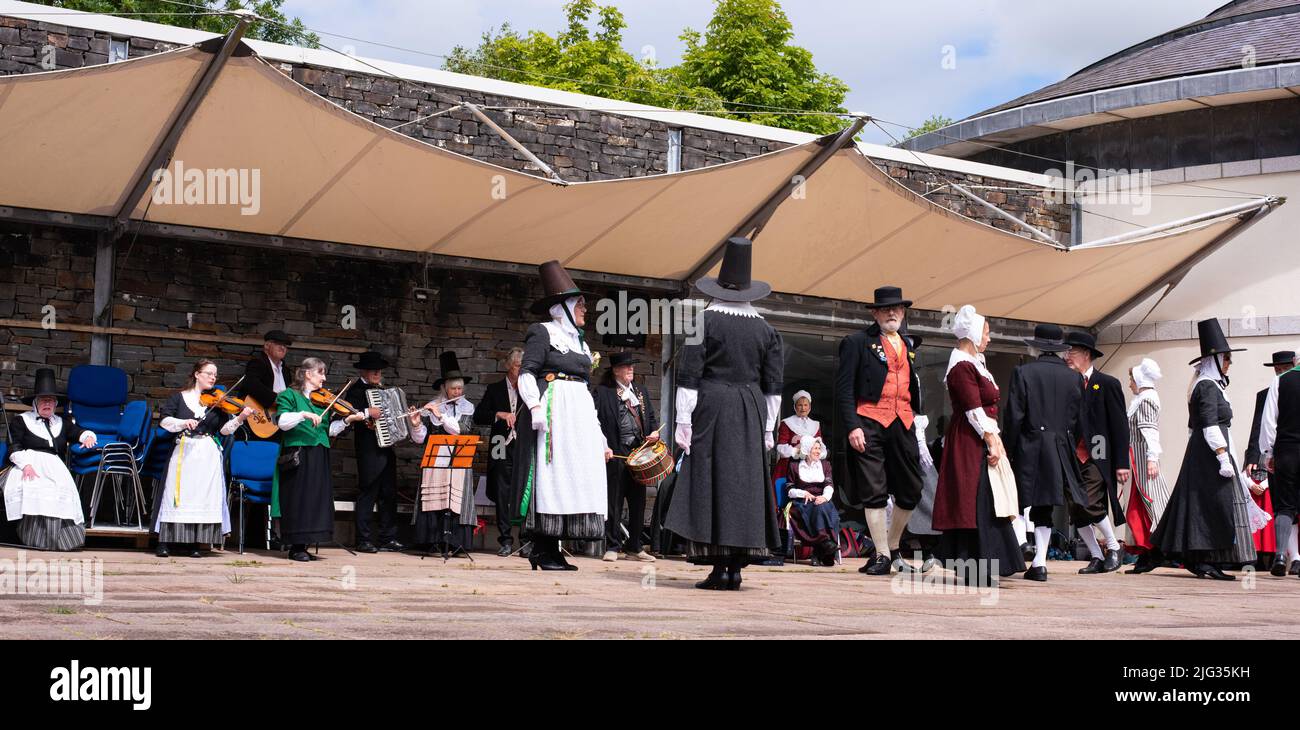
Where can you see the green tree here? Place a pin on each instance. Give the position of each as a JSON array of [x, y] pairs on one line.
[[746, 57], [281, 30], [935, 122], [743, 63], [576, 59]]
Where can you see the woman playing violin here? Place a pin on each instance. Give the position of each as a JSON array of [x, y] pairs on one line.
[[190, 503], [306, 487]]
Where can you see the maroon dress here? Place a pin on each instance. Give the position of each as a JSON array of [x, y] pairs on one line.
[[963, 500]]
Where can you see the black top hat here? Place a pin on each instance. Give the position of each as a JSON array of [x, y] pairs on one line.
[[45, 386], [557, 286], [450, 369], [888, 296], [1084, 340], [371, 360], [1282, 357], [733, 282], [1048, 338], [1212, 340], [279, 336], [623, 358]]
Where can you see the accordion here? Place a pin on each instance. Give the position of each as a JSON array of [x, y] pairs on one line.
[[390, 426]]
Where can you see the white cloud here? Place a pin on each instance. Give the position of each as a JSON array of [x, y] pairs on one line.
[[889, 53]]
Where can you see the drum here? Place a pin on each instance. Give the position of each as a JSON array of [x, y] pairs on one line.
[[650, 463]]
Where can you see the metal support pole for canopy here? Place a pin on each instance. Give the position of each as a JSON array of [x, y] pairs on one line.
[[514, 142], [106, 245], [1174, 276], [1180, 223], [1036, 233], [753, 224]]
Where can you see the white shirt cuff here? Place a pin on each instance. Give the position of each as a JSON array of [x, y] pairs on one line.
[[529, 391], [290, 421], [172, 424], [686, 400], [1214, 437], [981, 422], [773, 412]]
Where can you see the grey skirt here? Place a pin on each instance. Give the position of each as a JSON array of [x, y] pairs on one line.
[[51, 533]]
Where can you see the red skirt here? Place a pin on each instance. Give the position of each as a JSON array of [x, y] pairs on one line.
[[1138, 522], [1265, 539]]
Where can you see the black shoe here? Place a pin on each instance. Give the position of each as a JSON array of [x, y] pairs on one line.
[[1294, 569], [392, 546], [1094, 566], [506, 549], [1027, 551], [559, 558], [718, 580], [162, 551], [1037, 572], [1145, 564], [733, 579], [525, 551], [300, 555], [366, 547], [1278, 569], [275, 545], [878, 565], [1114, 559], [194, 552], [1207, 570]]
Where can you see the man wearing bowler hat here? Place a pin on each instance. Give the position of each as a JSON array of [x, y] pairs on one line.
[[1101, 449], [1039, 429], [627, 418], [265, 375], [376, 466], [1278, 451], [878, 393]]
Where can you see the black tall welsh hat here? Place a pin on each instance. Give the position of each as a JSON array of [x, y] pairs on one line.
[[557, 286], [733, 282], [1212, 340], [450, 369]]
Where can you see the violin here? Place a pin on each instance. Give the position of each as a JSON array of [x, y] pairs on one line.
[[220, 399], [326, 399]]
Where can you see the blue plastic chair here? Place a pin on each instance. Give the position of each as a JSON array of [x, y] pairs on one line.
[[132, 430], [121, 459], [96, 398], [252, 470]]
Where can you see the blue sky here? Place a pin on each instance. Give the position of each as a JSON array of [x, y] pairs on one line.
[[890, 53]]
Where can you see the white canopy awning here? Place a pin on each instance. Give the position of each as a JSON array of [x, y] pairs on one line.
[[77, 141]]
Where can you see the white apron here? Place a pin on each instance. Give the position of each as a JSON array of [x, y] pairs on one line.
[[573, 483], [51, 494], [194, 490]]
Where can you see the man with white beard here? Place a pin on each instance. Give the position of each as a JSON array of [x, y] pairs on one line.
[[878, 394]]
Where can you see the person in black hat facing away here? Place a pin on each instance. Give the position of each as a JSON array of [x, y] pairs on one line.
[[560, 460], [878, 393], [501, 409], [1039, 431], [264, 380], [1278, 450], [376, 466], [627, 417], [447, 515], [1102, 451], [728, 400], [1209, 519], [39, 492]]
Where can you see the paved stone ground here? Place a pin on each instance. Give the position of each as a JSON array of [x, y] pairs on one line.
[[261, 595]]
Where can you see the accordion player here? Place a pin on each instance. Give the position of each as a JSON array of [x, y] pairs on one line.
[[376, 458]]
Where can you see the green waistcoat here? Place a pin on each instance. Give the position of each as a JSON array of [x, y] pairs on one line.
[[304, 434]]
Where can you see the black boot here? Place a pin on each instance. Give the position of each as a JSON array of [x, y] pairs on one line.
[[718, 580], [733, 575], [162, 550], [543, 554]]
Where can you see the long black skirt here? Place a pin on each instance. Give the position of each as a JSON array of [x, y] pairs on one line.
[[991, 539], [436, 527], [307, 499]]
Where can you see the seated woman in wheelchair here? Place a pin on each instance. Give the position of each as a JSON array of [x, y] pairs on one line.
[[813, 515]]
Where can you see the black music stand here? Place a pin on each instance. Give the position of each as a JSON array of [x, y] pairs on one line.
[[461, 458]]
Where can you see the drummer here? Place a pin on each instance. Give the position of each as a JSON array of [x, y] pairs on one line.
[[627, 419]]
